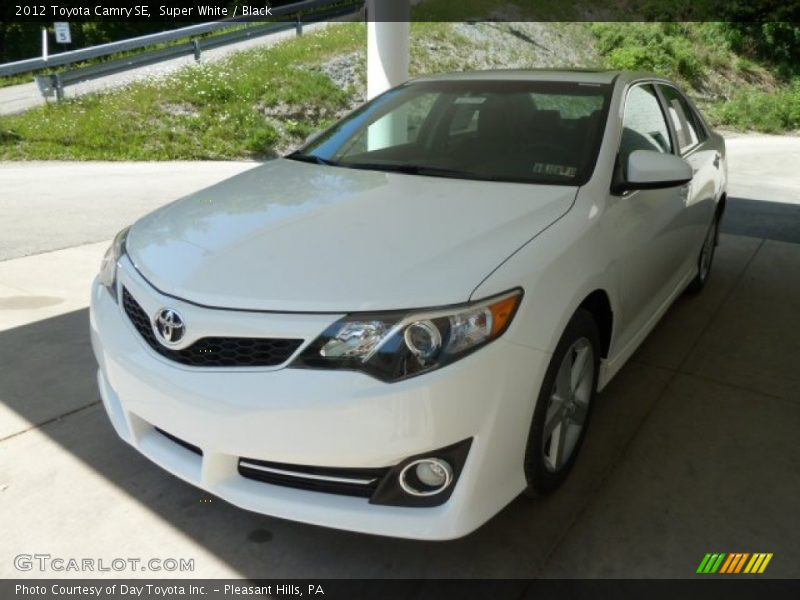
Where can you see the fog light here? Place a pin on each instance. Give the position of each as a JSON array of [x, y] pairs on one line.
[[426, 477]]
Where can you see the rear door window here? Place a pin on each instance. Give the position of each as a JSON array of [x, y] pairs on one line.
[[688, 128]]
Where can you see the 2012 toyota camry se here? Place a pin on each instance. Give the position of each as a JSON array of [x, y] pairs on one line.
[[402, 326]]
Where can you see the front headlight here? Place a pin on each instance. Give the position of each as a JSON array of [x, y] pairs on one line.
[[397, 345], [108, 268]]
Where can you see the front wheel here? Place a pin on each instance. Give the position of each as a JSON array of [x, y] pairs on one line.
[[563, 406], [706, 257]]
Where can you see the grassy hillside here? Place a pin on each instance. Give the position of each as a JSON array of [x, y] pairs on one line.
[[262, 102], [735, 91], [216, 111]]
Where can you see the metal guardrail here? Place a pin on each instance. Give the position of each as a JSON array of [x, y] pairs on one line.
[[53, 84], [74, 56], [308, 11]]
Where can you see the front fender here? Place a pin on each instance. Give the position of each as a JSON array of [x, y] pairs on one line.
[[558, 270]]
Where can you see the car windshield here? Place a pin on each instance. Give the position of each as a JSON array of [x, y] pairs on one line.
[[519, 131]]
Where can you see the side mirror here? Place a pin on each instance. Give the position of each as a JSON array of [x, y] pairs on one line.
[[650, 170]]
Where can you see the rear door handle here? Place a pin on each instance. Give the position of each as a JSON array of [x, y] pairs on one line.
[[716, 160]]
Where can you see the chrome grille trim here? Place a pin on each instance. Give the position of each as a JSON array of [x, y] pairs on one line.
[[330, 478]]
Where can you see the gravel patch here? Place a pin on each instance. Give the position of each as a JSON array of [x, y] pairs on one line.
[[347, 72], [182, 109], [523, 45]]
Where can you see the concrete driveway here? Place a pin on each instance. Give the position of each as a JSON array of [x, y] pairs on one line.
[[693, 447], [52, 205]]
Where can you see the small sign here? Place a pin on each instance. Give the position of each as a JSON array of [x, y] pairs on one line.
[[62, 33]]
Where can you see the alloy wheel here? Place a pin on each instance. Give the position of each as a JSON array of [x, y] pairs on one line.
[[568, 405]]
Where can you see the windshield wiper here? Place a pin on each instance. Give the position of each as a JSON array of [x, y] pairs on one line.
[[393, 168], [419, 170], [312, 158]]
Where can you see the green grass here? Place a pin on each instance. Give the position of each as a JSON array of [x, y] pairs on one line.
[[9, 80], [686, 52], [775, 112], [217, 111]]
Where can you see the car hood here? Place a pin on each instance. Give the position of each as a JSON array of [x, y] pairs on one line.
[[292, 236]]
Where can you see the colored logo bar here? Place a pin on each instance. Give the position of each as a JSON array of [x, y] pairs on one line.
[[734, 563]]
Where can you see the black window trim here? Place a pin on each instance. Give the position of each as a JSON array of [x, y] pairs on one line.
[[683, 153], [639, 83]]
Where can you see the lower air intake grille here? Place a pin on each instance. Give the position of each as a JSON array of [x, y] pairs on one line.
[[331, 480], [213, 351], [180, 442]]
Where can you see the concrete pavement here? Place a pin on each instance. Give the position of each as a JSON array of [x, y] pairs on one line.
[[51, 205], [692, 448], [45, 285], [764, 167]]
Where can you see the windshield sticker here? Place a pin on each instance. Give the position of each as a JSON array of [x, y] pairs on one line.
[[470, 100], [560, 170]]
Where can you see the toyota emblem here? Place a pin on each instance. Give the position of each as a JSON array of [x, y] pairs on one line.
[[169, 326]]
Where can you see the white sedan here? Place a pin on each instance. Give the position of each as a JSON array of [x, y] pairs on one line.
[[403, 326]]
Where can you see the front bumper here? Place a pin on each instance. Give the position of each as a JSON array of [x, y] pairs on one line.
[[320, 418]]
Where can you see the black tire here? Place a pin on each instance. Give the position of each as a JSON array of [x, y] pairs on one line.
[[704, 269], [543, 476]]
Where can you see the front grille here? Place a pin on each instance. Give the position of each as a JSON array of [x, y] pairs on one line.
[[213, 351], [331, 480]]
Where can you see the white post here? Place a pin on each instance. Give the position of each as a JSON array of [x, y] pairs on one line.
[[44, 43], [388, 31], [388, 41]]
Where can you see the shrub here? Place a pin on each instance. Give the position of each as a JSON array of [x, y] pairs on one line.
[[768, 112], [664, 48]]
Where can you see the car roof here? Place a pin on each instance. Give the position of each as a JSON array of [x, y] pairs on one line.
[[596, 76]]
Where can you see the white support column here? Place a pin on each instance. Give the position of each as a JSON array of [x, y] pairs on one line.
[[388, 33]]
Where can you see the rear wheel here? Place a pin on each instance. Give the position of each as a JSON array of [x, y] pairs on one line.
[[706, 258], [563, 406]]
